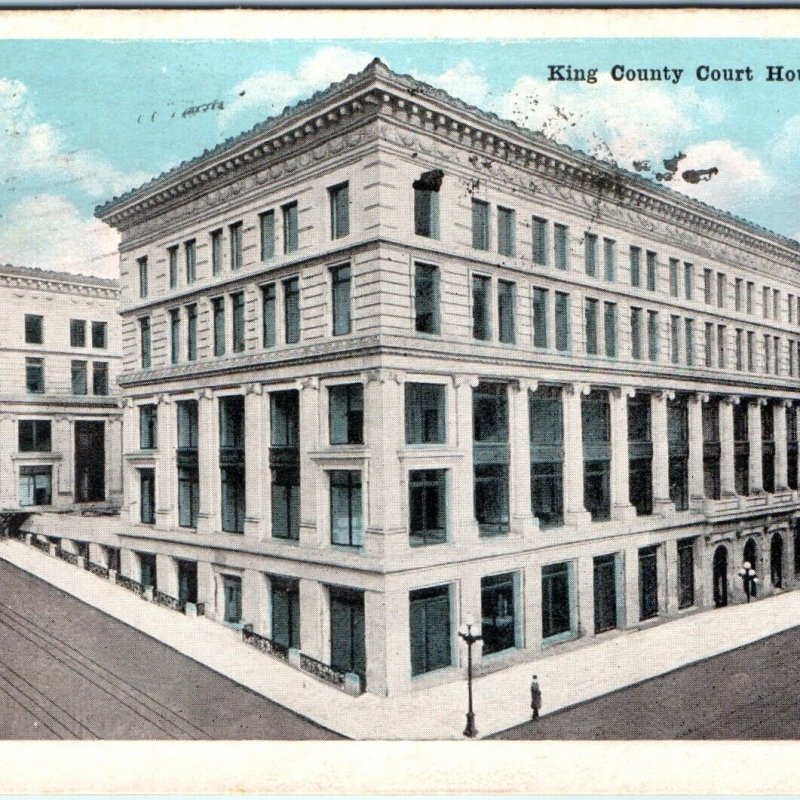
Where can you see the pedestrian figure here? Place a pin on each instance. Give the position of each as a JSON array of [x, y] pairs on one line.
[[536, 698]]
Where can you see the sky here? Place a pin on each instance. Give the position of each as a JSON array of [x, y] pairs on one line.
[[82, 121]]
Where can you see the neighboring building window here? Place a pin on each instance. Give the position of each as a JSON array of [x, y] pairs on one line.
[[708, 288], [506, 231], [99, 338], [506, 296], [491, 457], [673, 276], [711, 450], [191, 332], [480, 225], [231, 455], [143, 276], [34, 329], [689, 334], [652, 335], [636, 266], [688, 279], [426, 206], [268, 314], [547, 456], [610, 329], [497, 613], [340, 291], [34, 375], [291, 238], [340, 210], [175, 335], [291, 310], [652, 267], [427, 504], [35, 486], [190, 250], [218, 315], [237, 306], [235, 232], [557, 600], [596, 420], [216, 251], [35, 436], [640, 454], [347, 524], [147, 496], [675, 339], [481, 327], [172, 259], [636, 333], [148, 418], [77, 333], [590, 323], [100, 378], [285, 463], [540, 302], [590, 254], [540, 241], [267, 229], [678, 448], [425, 413], [426, 298], [562, 321], [79, 380], [144, 335], [430, 629], [609, 260], [346, 413], [648, 582]]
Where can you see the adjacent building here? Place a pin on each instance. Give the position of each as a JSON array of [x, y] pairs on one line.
[[390, 362]]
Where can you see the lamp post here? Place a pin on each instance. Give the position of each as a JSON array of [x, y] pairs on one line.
[[749, 579], [470, 638]]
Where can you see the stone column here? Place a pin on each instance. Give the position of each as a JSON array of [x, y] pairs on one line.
[[207, 588], [585, 581], [469, 605], [167, 574], [254, 474], [129, 565], [726, 460], [387, 640], [696, 481], [575, 512], [313, 615], [465, 526], [208, 463], [166, 471], [114, 467], [631, 587], [522, 519], [97, 554], [781, 448], [662, 504], [254, 600], [754, 437], [672, 579], [63, 443], [532, 599], [310, 474], [130, 444], [703, 595], [621, 508]]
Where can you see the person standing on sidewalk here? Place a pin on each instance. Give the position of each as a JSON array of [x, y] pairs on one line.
[[536, 698]]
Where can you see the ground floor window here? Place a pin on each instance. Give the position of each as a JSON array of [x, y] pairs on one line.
[[547, 493], [597, 489], [285, 597], [648, 582], [147, 496], [286, 502], [605, 593], [187, 581], [113, 558], [491, 498], [188, 496], [147, 570], [348, 646], [640, 474], [233, 508], [679, 482], [427, 506], [429, 619], [347, 522], [497, 613], [35, 486], [232, 598], [556, 600], [685, 573]]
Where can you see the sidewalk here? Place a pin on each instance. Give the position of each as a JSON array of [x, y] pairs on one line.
[[501, 699]]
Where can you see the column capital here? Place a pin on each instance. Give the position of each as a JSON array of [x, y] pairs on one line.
[[523, 384], [204, 394], [663, 394], [786, 403], [125, 402], [700, 397], [461, 380], [382, 375], [731, 399], [307, 383], [254, 389], [623, 392], [578, 388], [757, 401], [163, 399]]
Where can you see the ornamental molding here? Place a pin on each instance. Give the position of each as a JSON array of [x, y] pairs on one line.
[[25, 286]]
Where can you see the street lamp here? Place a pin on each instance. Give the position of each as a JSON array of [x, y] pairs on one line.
[[749, 579], [470, 638]]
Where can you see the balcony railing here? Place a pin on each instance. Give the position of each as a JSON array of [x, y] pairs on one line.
[[163, 599], [249, 636], [41, 544], [324, 672]]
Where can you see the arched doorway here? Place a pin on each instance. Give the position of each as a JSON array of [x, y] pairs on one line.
[[776, 561], [751, 556], [721, 576]]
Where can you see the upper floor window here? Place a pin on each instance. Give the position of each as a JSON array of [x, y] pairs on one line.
[[737, 294], [100, 378], [143, 277], [347, 523], [425, 413], [673, 276], [540, 310], [218, 316], [291, 310], [190, 249], [291, 238], [172, 258], [636, 333], [590, 254], [636, 266], [78, 370], [77, 333], [765, 302], [35, 436], [776, 304], [750, 289], [34, 375], [175, 335], [99, 335], [426, 298], [426, 203], [506, 295], [609, 260], [188, 427], [191, 332], [506, 231], [562, 321], [708, 288], [688, 279], [145, 342], [590, 326], [267, 230], [610, 328], [235, 232], [340, 291], [148, 427], [231, 422], [340, 210], [216, 251], [481, 327], [652, 334], [268, 314], [652, 269], [540, 241], [34, 329], [285, 419], [561, 246], [346, 413], [721, 289], [689, 344], [480, 225], [237, 304]]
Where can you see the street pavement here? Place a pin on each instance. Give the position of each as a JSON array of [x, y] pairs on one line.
[[749, 693], [69, 671]]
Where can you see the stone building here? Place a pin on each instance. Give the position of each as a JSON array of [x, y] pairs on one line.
[[390, 362]]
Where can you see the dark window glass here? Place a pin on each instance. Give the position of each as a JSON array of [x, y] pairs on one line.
[[678, 444], [35, 436], [636, 333], [506, 231], [648, 583], [590, 324], [490, 412], [79, 379], [506, 295], [191, 332], [340, 211], [605, 593], [346, 417], [188, 496], [175, 335], [651, 271], [187, 424], [429, 628], [636, 266], [285, 502], [590, 254], [190, 252], [673, 276], [497, 613], [561, 246], [347, 524], [99, 337], [652, 335], [597, 454], [427, 507], [233, 499], [348, 640], [216, 252], [172, 257], [562, 321], [285, 612], [547, 456], [340, 290], [609, 261], [425, 413], [34, 329], [610, 323], [685, 573], [426, 213], [147, 496], [231, 422], [235, 232], [147, 427], [426, 298], [540, 300], [688, 279], [143, 277], [556, 604], [480, 307], [237, 305], [99, 378], [491, 498], [267, 228], [77, 333], [35, 486], [290, 228], [218, 314], [268, 309], [285, 418], [540, 241], [34, 375], [480, 225], [291, 310], [144, 331]]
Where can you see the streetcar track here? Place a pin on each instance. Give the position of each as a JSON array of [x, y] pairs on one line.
[[32, 713]]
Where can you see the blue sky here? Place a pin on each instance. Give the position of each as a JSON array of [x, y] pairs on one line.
[[83, 120]]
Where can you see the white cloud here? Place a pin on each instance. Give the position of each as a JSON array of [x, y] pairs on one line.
[[783, 146], [48, 231], [462, 81]]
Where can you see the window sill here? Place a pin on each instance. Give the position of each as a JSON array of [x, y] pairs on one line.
[[40, 457]]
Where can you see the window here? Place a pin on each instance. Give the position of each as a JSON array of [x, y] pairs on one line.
[[290, 228], [561, 245], [175, 335], [750, 287], [590, 254], [767, 353], [776, 304], [481, 326], [675, 339], [34, 375], [285, 595], [79, 379], [765, 302], [231, 454], [147, 496], [99, 338], [426, 298], [145, 343], [791, 449], [673, 276], [191, 332], [689, 334], [605, 593], [190, 253], [590, 323], [480, 225], [148, 418], [739, 349], [426, 204], [429, 628], [188, 430], [768, 447], [35, 486], [491, 457], [711, 450], [77, 333], [340, 283], [540, 302], [610, 328], [497, 613], [678, 450], [172, 258], [237, 303], [346, 413], [216, 252], [721, 290], [652, 335], [737, 294], [291, 310], [708, 288], [790, 307], [100, 378], [636, 266], [218, 316], [596, 420], [640, 454], [636, 333], [34, 329], [741, 450], [688, 279], [651, 271], [425, 413], [347, 525], [776, 344], [506, 231], [609, 260], [285, 464], [427, 507], [557, 600], [791, 357], [267, 230], [540, 241], [506, 295], [35, 436], [547, 456], [721, 353], [562, 321], [235, 232], [648, 583], [188, 492], [268, 314], [751, 351], [709, 344], [143, 276]]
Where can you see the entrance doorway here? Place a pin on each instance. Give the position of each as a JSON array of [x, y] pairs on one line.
[[776, 561], [348, 650], [90, 462], [751, 556], [232, 597], [187, 581], [721, 576]]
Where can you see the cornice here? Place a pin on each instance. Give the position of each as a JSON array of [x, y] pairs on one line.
[[62, 287]]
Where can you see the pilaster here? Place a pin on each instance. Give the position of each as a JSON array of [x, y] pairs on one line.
[[781, 448], [631, 587], [465, 526], [585, 565], [621, 508], [313, 613], [254, 475], [166, 471], [726, 461], [254, 600], [522, 519], [129, 565], [575, 512], [662, 504], [167, 574], [310, 473], [754, 438], [695, 420], [671, 582], [208, 463]]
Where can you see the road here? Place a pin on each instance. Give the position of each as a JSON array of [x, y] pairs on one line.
[[749, 693], [68, 671]]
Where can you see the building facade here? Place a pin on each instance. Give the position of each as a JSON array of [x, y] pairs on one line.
[[60, 420], [390, 362]]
